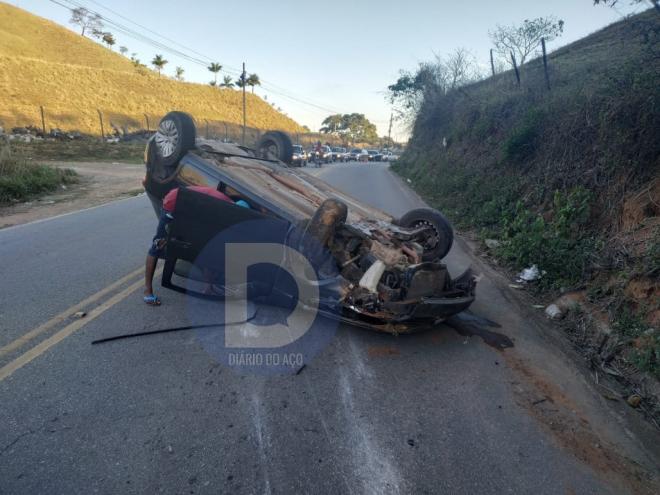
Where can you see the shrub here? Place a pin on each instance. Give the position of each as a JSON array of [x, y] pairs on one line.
[[21, 179]]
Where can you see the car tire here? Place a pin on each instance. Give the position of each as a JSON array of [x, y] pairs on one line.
[[175, 136], [326, 219], [444, 234], [275, 145]]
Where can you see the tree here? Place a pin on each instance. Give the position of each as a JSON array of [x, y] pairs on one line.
[[108, 39], [353, 127], [158, 62], [123, 50], [612, 3], [252, 81], [334, 125], [227, 82], [524, 40], [86, 20], [215, 68], [178, 73]]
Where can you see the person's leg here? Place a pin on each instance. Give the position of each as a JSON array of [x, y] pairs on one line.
[[155, 251], [149, 270]]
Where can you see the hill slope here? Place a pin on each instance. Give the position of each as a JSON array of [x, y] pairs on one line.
[[44, 64], [567, 179]]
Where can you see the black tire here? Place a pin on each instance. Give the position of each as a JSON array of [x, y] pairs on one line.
[[175, 137], [275, 145], [443, 239], [326, 219]]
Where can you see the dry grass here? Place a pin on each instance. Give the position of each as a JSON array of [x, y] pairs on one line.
[[42, 63]]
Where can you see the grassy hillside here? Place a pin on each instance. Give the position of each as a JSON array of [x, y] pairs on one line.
[[568, 179], [42, 63]]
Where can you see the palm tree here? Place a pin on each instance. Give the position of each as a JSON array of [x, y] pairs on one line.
[[227, 82], [123, 50], [215, 68], [253, 80], [158, 62], [178, 73]]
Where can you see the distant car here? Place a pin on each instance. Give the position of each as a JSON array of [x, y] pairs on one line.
[[339, 154], [362, 156], [375, 155], [322, 156], [299, 156]]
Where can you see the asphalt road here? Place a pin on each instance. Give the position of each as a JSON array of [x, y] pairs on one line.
[[437, 412]]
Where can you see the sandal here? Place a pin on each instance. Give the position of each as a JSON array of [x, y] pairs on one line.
[[152, 300]]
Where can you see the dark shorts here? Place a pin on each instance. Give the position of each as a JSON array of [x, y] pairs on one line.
[[157, 249]]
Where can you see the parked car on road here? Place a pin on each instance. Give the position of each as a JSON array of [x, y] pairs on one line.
[[375, 155], [339, 154], [378, 271], [322, 156], [299, 158]]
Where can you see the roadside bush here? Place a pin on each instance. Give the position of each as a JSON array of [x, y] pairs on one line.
[[645, 351], [559, 246], [21, 179], [523, 141]]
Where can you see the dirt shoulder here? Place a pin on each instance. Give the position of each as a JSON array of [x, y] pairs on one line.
[[99, 183]]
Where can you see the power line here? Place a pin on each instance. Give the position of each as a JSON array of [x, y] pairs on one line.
[[268, 85]]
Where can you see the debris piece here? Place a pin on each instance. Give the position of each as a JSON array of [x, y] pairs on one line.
[[634, 400], [411, 442], [538, 306], [529, 274], [79, 314], [553, 312], [492, 243], [300, 369], [516, 286]]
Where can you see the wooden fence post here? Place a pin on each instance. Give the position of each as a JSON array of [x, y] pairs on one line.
[[515, 67], [545, 64], [492, 62], [43, 120], [101, 122], [146, 118]]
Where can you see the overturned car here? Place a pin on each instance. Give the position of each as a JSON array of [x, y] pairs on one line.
[[369, 269]]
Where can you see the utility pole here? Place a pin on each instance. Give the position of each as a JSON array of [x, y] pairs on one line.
[[243, 81], [389, 132], [492, 62]]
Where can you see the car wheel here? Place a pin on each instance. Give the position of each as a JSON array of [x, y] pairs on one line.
[[175, 136], [326, 219], [438, 245], [275, 145]]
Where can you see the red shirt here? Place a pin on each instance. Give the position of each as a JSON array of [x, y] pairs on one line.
[[169, 201]]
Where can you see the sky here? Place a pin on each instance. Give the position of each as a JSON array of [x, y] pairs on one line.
[[319, 58]]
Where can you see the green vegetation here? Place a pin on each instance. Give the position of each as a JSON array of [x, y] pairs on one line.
[[21, 179], [645, 352], [80, 150], [566, 179], [545, 172], [350, 128]]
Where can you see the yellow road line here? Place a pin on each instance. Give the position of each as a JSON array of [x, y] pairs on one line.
[[42, 347], [56, 320]]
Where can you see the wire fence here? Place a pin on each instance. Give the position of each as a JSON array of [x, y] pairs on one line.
[[106, 124]]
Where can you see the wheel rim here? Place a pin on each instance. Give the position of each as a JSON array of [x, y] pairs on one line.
[[433, 241], [167, 138]]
